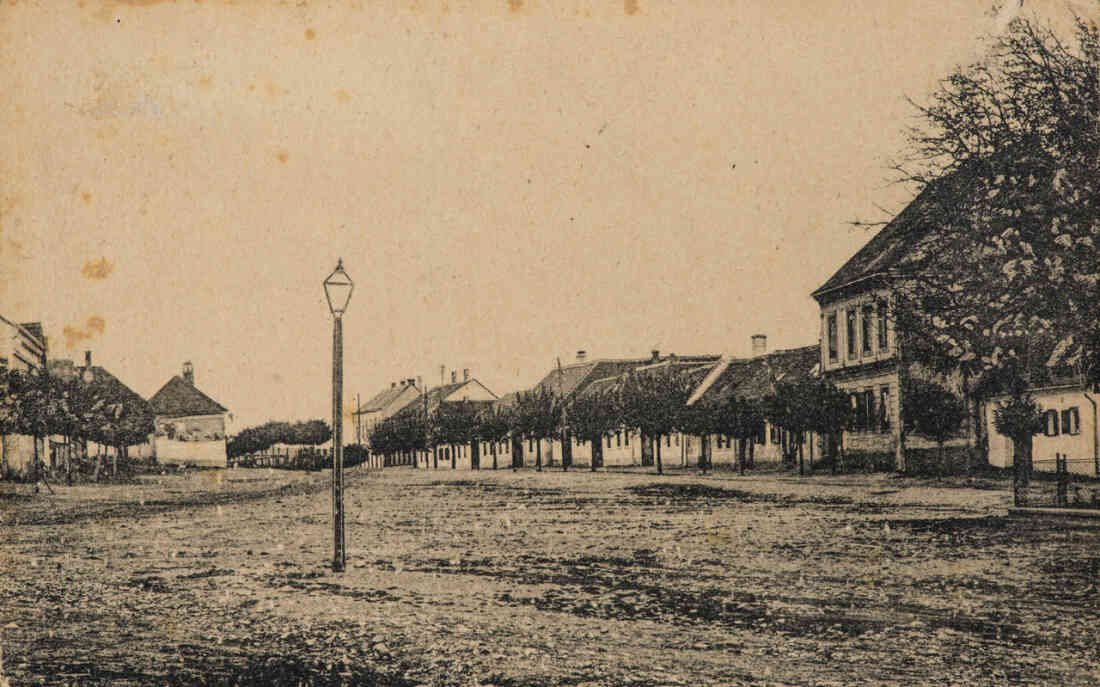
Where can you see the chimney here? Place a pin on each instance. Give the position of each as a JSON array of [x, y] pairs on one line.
[[656, 355], [454, 376], [87, 358], [189, 373], [581, 355], [759, 344], [465, 374]]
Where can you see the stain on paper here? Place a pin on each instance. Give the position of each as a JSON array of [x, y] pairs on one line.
[[97, 269], [74, 334]]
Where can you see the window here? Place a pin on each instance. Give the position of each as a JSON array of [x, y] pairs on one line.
[[831, 334], [626, 438], [850, 330], [1071, 421], [668, 440], [884, 409], [1052, 423], [608, 441], [775, 435], [530, 444], [866, 322], [863, 403], [882, 326], [619, 438]]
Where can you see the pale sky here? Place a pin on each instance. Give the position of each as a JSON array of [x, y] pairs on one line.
[[506, 182]]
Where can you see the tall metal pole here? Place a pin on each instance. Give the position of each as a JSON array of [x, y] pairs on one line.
[[339, 553]]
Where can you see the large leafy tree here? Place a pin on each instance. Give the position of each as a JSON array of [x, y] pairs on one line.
[[494, 425], [653, 401], [701, 420], [933, 411], [592, 416], [1007, 152], [456, 423], [537, 416], [742, 419]]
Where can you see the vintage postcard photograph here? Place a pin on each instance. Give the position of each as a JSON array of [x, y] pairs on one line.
[[510, 343]]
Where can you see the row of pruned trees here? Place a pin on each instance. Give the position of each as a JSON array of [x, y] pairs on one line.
[[262, 437], [37, 404], [654, 403]]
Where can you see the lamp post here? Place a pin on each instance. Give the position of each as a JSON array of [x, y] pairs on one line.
[[338, 288]]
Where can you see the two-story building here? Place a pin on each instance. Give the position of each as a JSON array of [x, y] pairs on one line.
[[23, 347], [861, 352], [381, 406]]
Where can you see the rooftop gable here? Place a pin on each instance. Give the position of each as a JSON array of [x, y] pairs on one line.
[[177, 398]]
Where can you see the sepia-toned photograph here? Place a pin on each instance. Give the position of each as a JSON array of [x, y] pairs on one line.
[[510, 343]]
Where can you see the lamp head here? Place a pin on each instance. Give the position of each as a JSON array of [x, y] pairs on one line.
[[338, 288]]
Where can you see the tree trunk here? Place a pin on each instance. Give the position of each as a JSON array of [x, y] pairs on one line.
[[658, 452], [741, 450], [597, 452], [1021, 469], [493, 449], [752, 452], [538, 455], [798, 448]]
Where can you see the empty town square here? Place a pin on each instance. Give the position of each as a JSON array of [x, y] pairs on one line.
[[532, 578]]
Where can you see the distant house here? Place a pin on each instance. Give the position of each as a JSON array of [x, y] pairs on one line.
[[381, 406], [23, 347], [584, 376], [754, 379], [190, 426], [466, 390], [113, 392]]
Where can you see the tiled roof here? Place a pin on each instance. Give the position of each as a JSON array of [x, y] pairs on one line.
[[899, 238], [756, 377], [177, 398], [384, 398], [107, 385], [573, 379], [437, 396]]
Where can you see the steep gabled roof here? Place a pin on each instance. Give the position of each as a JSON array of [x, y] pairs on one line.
[[900, 238], [572, 379], [107, 386], [385, 398], [177, 398], [440, 394], [755, 378]]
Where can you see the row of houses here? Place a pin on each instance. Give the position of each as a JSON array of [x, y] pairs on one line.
[[189, 426], [857, 350]]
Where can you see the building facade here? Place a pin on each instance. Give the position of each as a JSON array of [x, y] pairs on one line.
[[189, 425]]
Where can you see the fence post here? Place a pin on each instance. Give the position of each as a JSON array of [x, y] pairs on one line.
[[1062, 498]]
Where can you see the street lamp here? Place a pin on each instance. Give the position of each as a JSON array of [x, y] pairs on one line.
[[338, 288]]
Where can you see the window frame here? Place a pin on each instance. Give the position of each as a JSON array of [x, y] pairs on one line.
[[1051, 424], [832, 336], [883, 332], [851, 330], [866, 328]]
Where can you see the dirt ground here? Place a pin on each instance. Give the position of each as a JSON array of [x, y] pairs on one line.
[[510, 579]]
